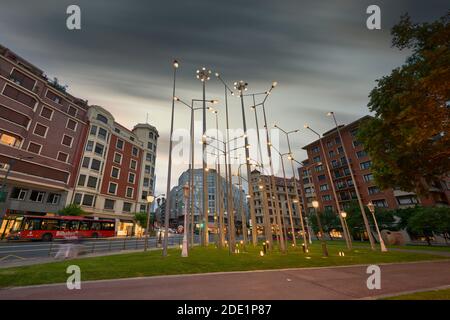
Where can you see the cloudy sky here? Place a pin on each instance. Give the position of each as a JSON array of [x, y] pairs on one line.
[[320, 52]]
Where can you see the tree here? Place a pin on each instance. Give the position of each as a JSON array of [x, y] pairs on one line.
[[426, 220], [408, 138], [385, 219], [71, 210], [141, 219], [329, 220]]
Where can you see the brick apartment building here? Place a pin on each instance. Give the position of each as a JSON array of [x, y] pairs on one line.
[[257, 180], [56, 149], [316, 185]]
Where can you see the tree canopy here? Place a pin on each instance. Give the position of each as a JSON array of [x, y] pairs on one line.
[[408, 138], [71, 210]]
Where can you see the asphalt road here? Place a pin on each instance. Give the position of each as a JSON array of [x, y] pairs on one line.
[[32, 250], [345, 283]]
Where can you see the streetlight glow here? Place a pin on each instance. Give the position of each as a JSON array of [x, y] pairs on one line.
[[175, 64], [315, 204]]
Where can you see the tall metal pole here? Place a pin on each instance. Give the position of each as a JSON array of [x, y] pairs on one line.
[[267, 228], [149, 203], [191, 178], [269, 144], [184, 251], [169, 170], [372, 211], [242, 86], [289, 202], [219, 184], [319, 224], [330, 177], [358, 194]]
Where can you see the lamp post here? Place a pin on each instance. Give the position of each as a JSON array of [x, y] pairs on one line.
[[348, 241], [291, 158], [371, 207], [150, 199], [241, 86], [344, 218], [230, 200], [315, 204], [204, 75], [186, 193], [355, 184], [175, 65]]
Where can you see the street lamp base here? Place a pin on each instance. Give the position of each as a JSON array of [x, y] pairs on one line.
[[184, 251]]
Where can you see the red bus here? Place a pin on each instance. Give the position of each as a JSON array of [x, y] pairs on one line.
[[47, 228]]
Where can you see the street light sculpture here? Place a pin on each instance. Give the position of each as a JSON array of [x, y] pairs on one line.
[[291, 158], [269, 153], [175, 65], [230, 200], [348, 241], [355, 184], [371, 207], [204, 75], [344, 218], [315, 204]]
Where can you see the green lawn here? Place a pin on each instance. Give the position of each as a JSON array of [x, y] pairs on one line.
[[200, 260], [443, 294], [407, 247]]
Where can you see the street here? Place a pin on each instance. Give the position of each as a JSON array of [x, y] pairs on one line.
[[346, 282]]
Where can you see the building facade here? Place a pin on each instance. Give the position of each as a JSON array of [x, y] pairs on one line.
[[316, 184], [262, 183], [55, 150]]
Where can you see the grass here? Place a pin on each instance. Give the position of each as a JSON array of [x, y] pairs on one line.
[[443, 294], [406, 247], [200, 260]]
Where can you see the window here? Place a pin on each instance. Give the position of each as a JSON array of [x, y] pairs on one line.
[[334, 163], [341, 184], [321, 177], [71, 124], [93, 131], [361, 154], [340, 150], [119, 144], [107, 226], [10, 140], [89, 145], [115, 172], [117, 158], [88, 200], [356, 143], [149, 145], [135, 151], [380, 203], [131, 177], [34, 147], [22, 80], [130, 192], [62, 156], [133, 164], [99, 148], [315, 149], [326, 197], [85, 163], [19, 96], [406, 200], [337, 140], [102, 118], [53, 97], [316, 159], [331, 153], [126, 207], [148, 156], [109, 204], [92, 182], [95, 165], [373, 190], [318, 168], [117, 130], [67, 141], [53, 198], [112, 188], [82, 180], [368, 177], [46, 113], [37, 196], [40, 130], [324, 187], [147, 169], [144, 195], [150, 135], [365, 165], [146, 182], [50, 224], [329, 144], [19, 194], [72, 111], [77, 198], [102, 133]]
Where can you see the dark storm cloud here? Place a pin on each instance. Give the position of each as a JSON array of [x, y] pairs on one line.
[[320, 52]]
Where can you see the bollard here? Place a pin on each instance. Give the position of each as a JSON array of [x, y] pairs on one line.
[[265, 247], [304, 248]]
